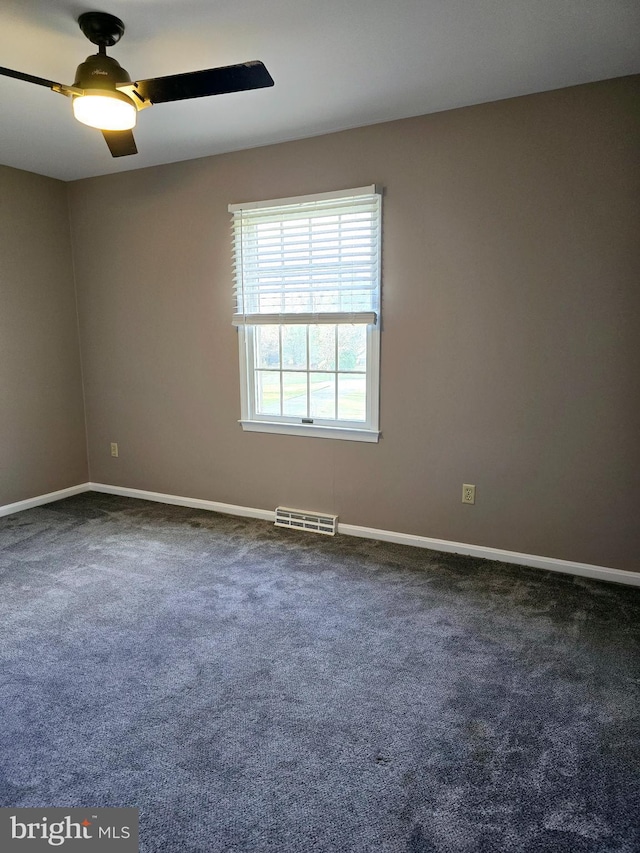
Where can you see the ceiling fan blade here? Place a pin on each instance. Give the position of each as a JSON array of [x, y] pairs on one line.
[[29, 78], [198, 84], [121, 142]]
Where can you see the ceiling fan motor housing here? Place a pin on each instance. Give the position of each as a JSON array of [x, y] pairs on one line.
[[100, 71]]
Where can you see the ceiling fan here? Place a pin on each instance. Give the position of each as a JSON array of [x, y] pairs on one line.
[[105, 97]]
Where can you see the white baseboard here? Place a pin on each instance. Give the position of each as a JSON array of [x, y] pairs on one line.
[[551, 564], [548, 563], [30, 503], [195, 503]]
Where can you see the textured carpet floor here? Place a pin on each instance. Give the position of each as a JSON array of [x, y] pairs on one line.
[[252, 689]]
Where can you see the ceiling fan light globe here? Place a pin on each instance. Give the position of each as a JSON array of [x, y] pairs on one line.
[[105, 110]]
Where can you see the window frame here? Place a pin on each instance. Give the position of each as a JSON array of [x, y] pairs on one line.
[[349, 430]]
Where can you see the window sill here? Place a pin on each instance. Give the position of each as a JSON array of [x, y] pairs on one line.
[[312, 431]]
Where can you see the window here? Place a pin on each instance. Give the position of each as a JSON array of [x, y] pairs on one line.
[[307, 286]]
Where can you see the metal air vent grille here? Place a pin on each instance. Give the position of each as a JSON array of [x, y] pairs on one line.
[[298, 519]]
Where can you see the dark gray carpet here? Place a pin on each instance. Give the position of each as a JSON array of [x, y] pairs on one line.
[[252, 689]]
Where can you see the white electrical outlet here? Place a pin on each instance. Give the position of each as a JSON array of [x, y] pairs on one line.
[[468, 494], [114, 448]]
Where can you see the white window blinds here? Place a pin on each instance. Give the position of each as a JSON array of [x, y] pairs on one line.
[[309, 259]]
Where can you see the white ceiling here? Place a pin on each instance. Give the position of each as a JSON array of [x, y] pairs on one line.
[[336, 64]]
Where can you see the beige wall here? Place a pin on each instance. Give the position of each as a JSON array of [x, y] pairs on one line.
[[510, 327], [42, 434]]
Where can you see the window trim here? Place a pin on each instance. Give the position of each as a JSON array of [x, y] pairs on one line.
[[250, 420], [312, 430], [320, 428]]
